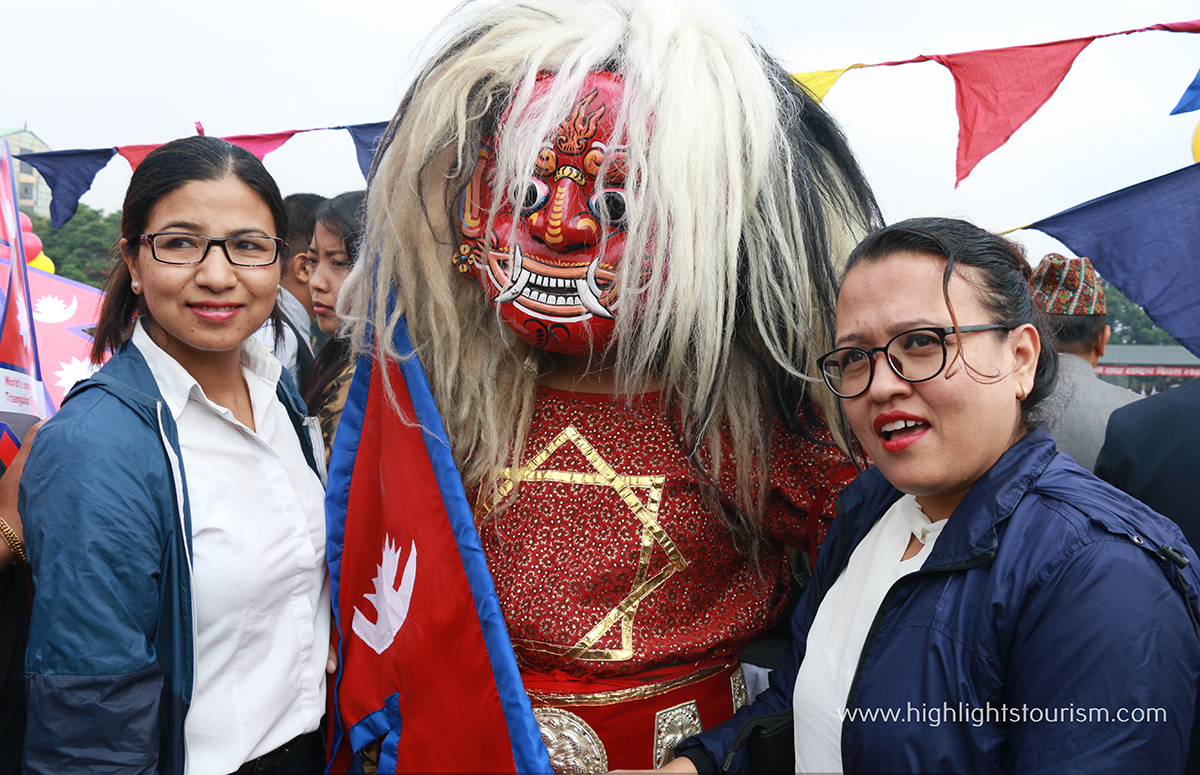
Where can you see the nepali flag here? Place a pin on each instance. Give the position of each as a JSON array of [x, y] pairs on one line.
[[424, 660], [23, 397]]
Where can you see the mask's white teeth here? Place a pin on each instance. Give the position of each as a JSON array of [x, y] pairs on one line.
[[589, 292], [517, 276]]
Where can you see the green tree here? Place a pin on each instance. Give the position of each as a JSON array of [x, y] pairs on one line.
[[1130, 324], [82, 249]]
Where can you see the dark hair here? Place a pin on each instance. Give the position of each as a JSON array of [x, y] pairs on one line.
[[300, 208], [1003, 290], [166, 169], [343, 217], [1078, 334]]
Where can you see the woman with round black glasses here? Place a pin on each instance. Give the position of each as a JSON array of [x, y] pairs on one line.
[[173, 508], [983, 604]]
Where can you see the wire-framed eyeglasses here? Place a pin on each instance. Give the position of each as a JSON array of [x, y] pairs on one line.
[[917, 355], [181, 247]]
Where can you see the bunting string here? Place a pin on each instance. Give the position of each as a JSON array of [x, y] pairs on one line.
[[996, 92], [70, 173]]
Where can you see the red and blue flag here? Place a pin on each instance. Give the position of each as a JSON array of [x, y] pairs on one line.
[[23, 395], [425, 663]]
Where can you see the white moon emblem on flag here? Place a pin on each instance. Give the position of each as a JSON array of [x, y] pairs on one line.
[[391, 603]]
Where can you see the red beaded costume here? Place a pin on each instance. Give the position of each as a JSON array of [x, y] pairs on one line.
[[610, 565], [600, 480]]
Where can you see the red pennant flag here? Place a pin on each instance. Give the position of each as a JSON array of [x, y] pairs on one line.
[[998, 90], [135, 153], [261, 145]]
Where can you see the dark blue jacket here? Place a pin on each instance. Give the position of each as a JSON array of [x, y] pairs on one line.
[[1048, 601], [104, 504]]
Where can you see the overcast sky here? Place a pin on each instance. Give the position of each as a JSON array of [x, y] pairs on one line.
[[96, 73]]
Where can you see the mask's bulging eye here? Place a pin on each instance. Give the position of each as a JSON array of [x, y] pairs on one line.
[[609, 207], [533, 196]]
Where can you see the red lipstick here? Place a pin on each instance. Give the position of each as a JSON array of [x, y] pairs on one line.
[[898, 431]]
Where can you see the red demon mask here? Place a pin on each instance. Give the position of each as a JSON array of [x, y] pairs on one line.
[[545, 266]]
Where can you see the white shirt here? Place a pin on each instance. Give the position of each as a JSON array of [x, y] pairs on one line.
[[839, 630], [260, 590], [295, 313]]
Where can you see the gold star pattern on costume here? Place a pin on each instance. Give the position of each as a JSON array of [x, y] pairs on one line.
[[651, 534]]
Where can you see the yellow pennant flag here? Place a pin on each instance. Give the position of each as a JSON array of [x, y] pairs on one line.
[[819, 82]]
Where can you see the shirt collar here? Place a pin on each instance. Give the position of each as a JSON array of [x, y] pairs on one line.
[[917, 523], [177, 385]]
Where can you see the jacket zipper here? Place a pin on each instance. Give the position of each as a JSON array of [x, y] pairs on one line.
[[877, 623]]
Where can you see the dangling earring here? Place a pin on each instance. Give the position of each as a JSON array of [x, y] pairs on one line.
[[136, 286]]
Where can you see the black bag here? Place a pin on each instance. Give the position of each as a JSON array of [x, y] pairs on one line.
[[771, 742]]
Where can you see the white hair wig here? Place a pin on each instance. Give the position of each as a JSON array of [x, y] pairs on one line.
[[743, 198]]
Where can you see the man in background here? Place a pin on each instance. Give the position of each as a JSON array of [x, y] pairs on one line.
[[1078, 409], [1150, 452]]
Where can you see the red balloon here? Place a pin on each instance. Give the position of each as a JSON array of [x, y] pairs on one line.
[[33, 245], [26, 224]]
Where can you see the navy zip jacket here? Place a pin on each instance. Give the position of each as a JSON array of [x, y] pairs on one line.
[[103, 498], [1050, 630]]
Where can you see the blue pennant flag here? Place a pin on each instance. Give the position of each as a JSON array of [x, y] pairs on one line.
[[1191, 97], [69, 175], [366, 140], [1145, 240]]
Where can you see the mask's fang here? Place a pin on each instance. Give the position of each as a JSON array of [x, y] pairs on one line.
[[518, 279], [589, 293]]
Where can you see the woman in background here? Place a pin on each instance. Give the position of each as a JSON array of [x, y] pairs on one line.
[[173, 508], [334, 236]]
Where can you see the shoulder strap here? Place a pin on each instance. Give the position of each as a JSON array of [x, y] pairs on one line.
[[304, 353]]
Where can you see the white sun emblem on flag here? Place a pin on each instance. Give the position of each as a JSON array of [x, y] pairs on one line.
[[73, 372], [391, 603]]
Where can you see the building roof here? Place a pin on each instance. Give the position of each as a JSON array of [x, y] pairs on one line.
[[1148, 355], [1149, 360]]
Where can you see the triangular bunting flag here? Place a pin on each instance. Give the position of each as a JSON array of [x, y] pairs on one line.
[[366, 140], [135, 153], [1191, 98], [261, 145], [69, 175], [819, 82], [998, 90], [1143, 240], [1192, 26]]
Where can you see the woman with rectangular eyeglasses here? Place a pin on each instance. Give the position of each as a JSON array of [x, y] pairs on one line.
[[173, 507], [982, 604]]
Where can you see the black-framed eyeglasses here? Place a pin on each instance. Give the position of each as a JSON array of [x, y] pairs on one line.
[[181, 247], [917, 355]]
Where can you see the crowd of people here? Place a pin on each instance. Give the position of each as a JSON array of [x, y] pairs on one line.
[[693, 385]]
